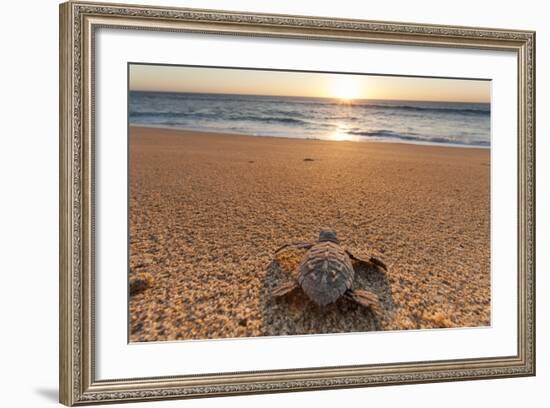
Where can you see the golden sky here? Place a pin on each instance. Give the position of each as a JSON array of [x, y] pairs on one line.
[[308, 84]]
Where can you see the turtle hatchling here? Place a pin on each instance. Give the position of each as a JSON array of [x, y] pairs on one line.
[[326, 273]]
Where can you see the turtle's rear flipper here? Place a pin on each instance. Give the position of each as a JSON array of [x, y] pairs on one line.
[[284, 288], [366, 298], [372, 262]]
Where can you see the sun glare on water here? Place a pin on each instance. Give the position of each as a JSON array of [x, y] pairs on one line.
[[345, 88]]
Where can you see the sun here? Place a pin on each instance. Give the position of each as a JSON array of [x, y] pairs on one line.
[[345, 88]]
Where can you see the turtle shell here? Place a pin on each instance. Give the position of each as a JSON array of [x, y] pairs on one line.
[[325, 273]]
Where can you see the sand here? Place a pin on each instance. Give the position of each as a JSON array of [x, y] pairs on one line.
[[207, 212]]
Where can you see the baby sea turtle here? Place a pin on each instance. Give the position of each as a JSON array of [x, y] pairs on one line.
[[326, 273]]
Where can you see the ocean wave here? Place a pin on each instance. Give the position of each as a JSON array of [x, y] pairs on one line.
[[383, 133], [218, 117], [412, 137], [351, 118], [268, 119], [174, 114], [277, 112], [457, 110]]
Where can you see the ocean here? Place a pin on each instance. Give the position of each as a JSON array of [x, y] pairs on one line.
[[448, 123]]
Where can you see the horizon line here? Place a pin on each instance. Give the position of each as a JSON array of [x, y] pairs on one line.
[[304, 96]]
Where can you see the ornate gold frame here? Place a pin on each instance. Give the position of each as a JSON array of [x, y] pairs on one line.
[[78, 22]]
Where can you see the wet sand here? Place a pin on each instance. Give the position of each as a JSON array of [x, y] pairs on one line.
[[207, 212]]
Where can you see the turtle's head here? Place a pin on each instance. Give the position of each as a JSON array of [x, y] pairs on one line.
[[328, 234]]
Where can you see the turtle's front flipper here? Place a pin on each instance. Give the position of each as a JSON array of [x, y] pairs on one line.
[[284, 288], [371, 262], [299, 245], [366, 298]]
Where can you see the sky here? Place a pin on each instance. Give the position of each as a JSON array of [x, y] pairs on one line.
[[306, 84]]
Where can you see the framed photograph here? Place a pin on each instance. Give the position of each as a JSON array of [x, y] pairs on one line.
[[256, 203]]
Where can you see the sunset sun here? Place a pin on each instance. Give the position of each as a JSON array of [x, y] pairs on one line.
[[345, 88]]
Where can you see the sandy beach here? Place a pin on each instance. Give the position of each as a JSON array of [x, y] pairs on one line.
[[207, 211]]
